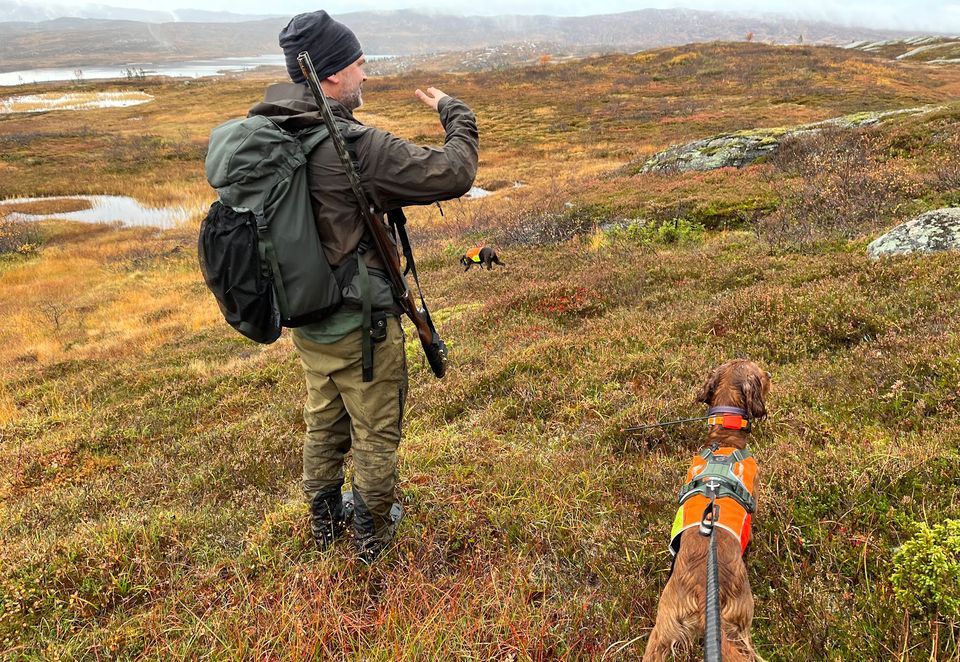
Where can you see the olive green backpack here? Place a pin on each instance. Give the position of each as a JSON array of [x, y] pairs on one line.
[[259, 250]]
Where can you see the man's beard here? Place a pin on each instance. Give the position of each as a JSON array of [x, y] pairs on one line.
[[353, 99]]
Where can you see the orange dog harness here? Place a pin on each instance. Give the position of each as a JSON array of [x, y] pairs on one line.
[[474, 255], [727, 473]]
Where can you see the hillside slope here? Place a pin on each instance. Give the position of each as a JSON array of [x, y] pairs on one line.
[[149, 456]]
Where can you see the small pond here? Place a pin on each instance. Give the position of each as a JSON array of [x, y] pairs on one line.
[[38, 103], [476, 192], [102, 209]]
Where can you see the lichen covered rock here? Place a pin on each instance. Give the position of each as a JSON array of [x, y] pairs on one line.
[[932, 232], [740, 149], [737, 150]]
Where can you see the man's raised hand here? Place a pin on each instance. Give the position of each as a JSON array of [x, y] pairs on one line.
[[431, 97]]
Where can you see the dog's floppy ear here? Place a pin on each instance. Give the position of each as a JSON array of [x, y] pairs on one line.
[[753, 392], [463, 259], [705, 394]]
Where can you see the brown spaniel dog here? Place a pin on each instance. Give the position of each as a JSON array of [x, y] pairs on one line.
[[735, 393]]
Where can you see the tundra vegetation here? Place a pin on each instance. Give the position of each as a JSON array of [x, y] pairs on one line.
[[149, 456]]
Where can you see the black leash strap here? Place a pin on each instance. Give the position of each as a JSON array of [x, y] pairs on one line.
[[711, 633]]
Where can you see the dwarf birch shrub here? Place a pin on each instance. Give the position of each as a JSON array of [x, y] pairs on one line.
[[18, 237], [840, 184], [677, 231]]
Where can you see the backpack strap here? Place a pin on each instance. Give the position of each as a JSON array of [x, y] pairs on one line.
[[363, 273], [268, 256]]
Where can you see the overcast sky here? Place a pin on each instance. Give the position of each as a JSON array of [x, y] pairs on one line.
[[921, 15]]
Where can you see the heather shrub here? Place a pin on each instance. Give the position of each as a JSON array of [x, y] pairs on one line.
[[549, 227], [838, 184]]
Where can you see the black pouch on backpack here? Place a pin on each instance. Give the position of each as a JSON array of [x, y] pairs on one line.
[[230, 262], [260, 252]]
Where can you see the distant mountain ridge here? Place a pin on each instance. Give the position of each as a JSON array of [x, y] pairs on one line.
[[87, 42], [31, 12]]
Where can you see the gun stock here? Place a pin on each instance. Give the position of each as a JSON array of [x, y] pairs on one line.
[[433, 346]]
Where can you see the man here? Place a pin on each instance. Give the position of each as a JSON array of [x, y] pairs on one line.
[[343, 412]]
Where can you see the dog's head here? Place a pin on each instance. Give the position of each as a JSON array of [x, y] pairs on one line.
[[737, 383], [464, 260]]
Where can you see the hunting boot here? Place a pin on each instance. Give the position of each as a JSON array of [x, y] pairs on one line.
[[330, 514], [368, 539]]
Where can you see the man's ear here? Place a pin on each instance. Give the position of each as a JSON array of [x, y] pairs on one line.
[[752, 389], [705, 394]]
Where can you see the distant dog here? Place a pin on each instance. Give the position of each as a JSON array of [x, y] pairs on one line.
[[485, 257], [735, 394]]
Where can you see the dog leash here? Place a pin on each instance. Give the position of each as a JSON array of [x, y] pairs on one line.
[[711, 631], [732, 418]]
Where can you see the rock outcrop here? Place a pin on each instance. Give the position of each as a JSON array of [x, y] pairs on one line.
[[736, 150], [932, 232], [742, 148]]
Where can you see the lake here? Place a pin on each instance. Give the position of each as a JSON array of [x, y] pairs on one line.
[[190, 69]]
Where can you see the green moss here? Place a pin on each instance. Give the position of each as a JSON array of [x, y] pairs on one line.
[[771, 134], [860, 117]]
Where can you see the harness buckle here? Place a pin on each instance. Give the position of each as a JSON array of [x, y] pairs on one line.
[[709, 518]]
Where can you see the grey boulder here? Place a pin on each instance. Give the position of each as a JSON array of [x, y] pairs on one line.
[[932, 232]]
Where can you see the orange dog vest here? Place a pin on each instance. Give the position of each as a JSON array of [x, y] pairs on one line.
[[474, 254], [731, 473]]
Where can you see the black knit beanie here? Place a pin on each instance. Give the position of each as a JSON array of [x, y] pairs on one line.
[[332, 45]]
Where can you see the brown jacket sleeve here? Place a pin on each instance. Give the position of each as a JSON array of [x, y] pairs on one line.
[[395, 172]]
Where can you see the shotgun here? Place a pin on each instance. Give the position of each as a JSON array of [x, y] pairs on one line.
[[433, 346]]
